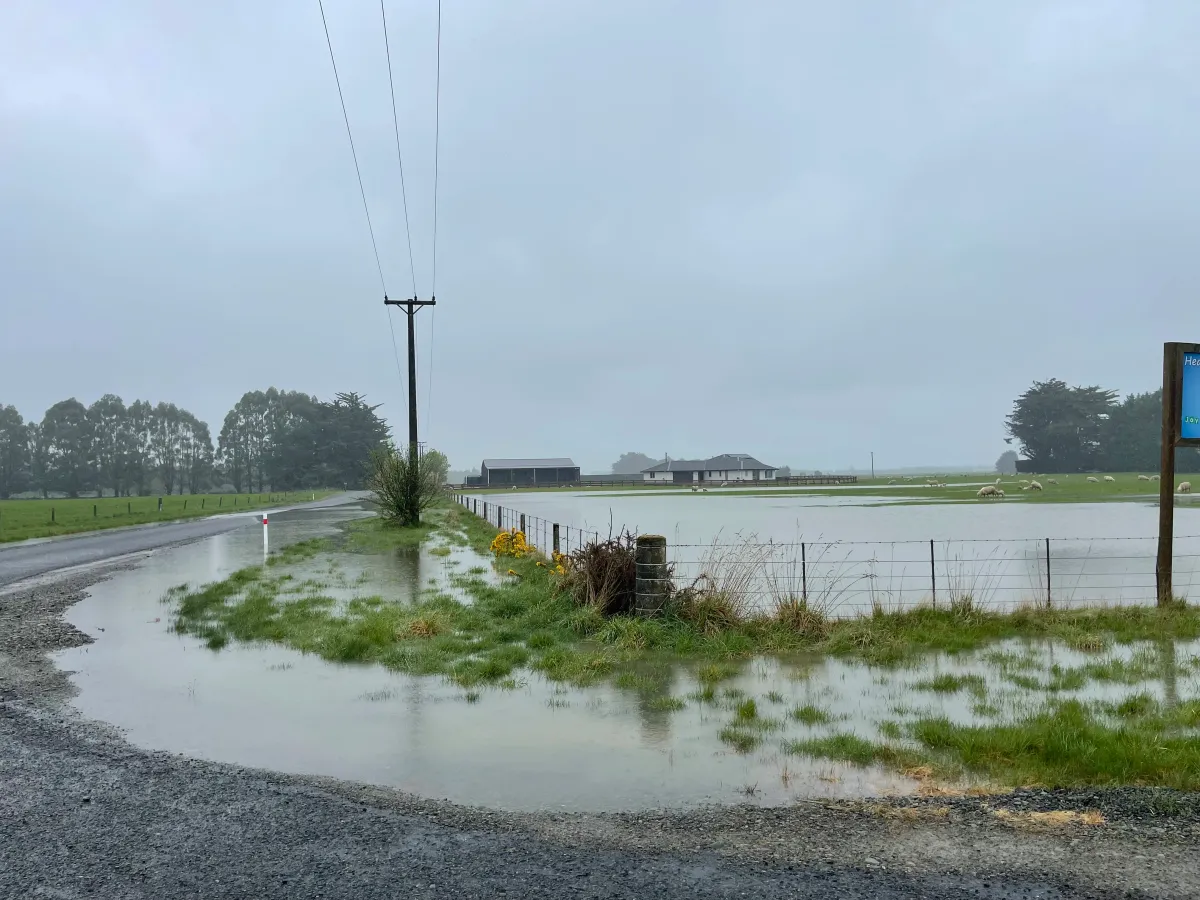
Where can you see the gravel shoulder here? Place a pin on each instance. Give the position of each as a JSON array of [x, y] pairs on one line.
[[85, 814]]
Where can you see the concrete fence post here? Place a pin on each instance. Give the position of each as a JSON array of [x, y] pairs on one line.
[[556, 549], [652, 584], [522, 523], [485, 518]]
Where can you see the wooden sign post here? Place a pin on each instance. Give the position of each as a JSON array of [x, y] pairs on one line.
[[1180, 428]]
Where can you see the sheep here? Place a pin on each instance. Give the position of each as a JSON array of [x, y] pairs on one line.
[[1092, 479], [997, 481], [1051, 481], [1109, 478], [695, 489], [1154, 478], [891, 481], [1185, 487], [1143, 478], [990, 490], [1035, 486]]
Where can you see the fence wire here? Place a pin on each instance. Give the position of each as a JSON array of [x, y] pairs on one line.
[[849, 578]]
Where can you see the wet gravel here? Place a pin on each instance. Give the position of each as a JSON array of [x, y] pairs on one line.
[[85, 814]]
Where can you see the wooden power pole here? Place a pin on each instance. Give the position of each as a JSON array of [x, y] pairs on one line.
[[410, 307]]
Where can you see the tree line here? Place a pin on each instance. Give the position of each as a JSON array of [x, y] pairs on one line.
[[270, 440], [1061, 428]]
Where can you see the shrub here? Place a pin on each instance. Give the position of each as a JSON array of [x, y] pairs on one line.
[[403, 485], [602, 575]]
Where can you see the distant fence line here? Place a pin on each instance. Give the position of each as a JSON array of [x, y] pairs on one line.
[[848, 578], [785, 481]]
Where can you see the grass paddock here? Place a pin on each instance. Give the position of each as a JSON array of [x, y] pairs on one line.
[[23, 519]]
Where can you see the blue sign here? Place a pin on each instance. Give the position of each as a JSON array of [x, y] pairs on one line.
[[1189, 427]]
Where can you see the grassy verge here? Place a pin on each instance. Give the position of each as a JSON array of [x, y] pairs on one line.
[[22, 519], [1139, 740], [523, 620]]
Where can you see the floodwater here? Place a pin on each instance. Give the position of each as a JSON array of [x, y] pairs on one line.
[[537, 746], [645, 739], [861, 552]]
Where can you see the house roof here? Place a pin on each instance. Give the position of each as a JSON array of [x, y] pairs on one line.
[[677, 465], [558, 462], [735, 461], [723, 463]]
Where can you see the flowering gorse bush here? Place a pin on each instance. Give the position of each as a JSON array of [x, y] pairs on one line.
[[511, 543]]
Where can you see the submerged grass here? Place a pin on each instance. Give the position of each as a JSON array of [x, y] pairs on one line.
[[1138, 740]]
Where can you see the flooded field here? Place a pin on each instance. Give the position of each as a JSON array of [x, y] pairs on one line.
[[862, 552]]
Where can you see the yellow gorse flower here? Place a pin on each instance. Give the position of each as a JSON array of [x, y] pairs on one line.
[[511, 543]]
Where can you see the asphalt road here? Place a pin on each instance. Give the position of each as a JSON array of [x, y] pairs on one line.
[[29, 559]]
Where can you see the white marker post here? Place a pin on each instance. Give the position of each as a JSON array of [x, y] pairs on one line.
[[264, 536]]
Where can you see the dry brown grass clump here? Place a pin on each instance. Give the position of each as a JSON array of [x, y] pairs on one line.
[[910, 813], [603, 575], [1058, 818], [420, 628]]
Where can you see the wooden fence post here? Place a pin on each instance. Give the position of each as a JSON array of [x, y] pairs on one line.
[[556, 549], [651, 584], [803, 573]]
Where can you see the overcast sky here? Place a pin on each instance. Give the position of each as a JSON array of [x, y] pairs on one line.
[[801, 230]]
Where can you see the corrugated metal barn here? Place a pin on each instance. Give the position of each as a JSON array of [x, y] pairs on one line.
[[504, 472]]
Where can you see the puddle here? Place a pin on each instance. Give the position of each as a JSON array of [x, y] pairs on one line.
[[643, 740]]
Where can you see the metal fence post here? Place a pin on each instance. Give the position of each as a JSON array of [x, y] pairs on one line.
[[485, 518], [651, 568], [803, 573], [522, 523], [556, 547], [933, 575], [1047, 573]]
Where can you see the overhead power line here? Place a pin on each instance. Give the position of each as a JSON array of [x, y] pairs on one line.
[[437, 132], [361, 190], [399, 158]]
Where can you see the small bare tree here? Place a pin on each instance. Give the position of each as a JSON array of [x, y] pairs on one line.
[[402, 485]]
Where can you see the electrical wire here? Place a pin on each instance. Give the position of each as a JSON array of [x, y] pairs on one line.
[[361, 190], [399, 159], [437, 131]]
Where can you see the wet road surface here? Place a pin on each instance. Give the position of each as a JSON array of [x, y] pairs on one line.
[[29, 559]]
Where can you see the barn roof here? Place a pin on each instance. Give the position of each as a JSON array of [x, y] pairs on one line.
[[724, 462], [558, 462]]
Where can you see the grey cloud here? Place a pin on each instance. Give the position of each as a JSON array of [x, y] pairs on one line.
[[801, 230]]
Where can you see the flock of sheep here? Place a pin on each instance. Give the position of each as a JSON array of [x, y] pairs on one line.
[[995, 492]]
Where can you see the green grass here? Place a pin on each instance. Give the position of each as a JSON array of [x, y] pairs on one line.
[[22, 519], [1138, 740], [952, 684], [808, 714]]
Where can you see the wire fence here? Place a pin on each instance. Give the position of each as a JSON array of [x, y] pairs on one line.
[[549, 537], [849, 578]]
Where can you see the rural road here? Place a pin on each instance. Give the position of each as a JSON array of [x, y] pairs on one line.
[[83, 813], [28, 559]]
